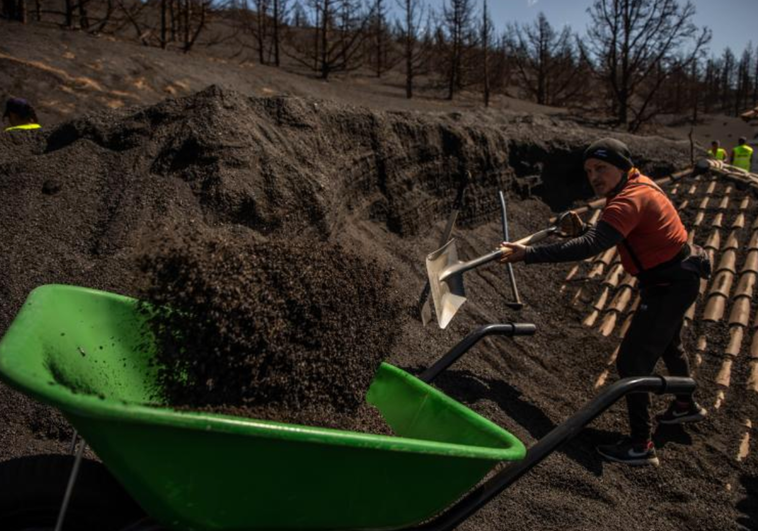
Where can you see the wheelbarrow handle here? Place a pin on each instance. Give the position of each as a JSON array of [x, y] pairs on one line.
[[562, 433], [463, 346]]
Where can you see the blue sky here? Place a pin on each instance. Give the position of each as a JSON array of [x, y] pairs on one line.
[[734, 22]]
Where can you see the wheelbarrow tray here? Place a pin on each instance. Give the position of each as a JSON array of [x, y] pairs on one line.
[[85, 352]]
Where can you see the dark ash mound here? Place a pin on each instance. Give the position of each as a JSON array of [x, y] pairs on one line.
[[279, 330]]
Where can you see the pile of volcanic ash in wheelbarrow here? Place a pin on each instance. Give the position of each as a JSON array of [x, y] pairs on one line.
[[285, 331]]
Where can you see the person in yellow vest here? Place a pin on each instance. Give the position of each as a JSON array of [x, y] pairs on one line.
[[716, 151], [742, 155], [20, 115]]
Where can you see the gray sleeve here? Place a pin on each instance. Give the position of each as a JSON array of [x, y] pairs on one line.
[[597, 239]]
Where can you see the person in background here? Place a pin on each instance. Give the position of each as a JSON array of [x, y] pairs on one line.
[[742, 155], [640, 220], [716, 151], [20, 115]]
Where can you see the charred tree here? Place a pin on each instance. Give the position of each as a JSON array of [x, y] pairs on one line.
[[634, 42], [457, 16]]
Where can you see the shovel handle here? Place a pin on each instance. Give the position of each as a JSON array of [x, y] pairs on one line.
[[494, 255]]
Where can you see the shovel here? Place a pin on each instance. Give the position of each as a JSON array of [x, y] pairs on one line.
[[426, 311], [445, 273]]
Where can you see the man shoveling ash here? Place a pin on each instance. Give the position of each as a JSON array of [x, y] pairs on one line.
[[642, 222]]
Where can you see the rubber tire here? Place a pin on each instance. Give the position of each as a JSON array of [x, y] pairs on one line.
[[32, 489]]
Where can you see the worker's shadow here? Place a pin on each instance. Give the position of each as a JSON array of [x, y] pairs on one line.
[[749, 505], [672, 433], [467, 387]]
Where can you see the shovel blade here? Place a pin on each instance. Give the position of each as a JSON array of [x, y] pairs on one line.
[[448, 295]]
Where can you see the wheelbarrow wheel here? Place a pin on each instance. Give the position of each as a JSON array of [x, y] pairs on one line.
[[32, 489]]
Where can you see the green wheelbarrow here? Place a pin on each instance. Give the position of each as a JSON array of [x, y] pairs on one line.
[[83, 352]]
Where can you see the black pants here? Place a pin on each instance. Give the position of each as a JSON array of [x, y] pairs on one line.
[[655, 332]]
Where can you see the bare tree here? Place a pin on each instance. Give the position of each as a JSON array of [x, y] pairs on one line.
[[727, 78], [457, 25], [744, 80], [551, 68], [340, 28], [414, 53], [486, 42], [634, 42]]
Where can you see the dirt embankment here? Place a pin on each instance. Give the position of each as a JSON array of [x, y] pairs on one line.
[[79, 200]]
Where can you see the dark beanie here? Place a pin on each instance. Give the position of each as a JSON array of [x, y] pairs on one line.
[[611, 151]]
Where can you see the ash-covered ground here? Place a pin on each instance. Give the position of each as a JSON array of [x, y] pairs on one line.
[[80, 199]]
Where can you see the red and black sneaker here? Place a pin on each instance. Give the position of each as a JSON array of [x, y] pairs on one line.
[[630, 452], [680, 412]]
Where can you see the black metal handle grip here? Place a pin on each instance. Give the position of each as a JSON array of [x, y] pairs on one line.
[[509, 329]]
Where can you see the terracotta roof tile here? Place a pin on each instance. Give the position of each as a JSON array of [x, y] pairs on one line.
[[724, 204], [746, 285], [714, 308], [690, 313], [732, 242], [752, 382], [613, 278], [684, 204], [739, 221], [740, 312], [722, 283], [621, 299], [725, 375], [711, 188], [744, 450], [608, 324], [714, 240], [591, 318], [602, 300], [751, 262], [745, 203], [728, 261], [753, 243]]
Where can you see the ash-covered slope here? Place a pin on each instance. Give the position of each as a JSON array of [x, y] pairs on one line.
[[79, 200]]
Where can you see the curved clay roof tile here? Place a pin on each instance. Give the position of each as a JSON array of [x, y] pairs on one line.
[[746, 285], [718, 221], [751, 262], [714, 240], [614, 276], [739, 221], [728, 261], [714, 309], [722, 284], [740, 312], [736, 334], [732, 242]]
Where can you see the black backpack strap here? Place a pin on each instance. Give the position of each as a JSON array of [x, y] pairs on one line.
[[633, 256]]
